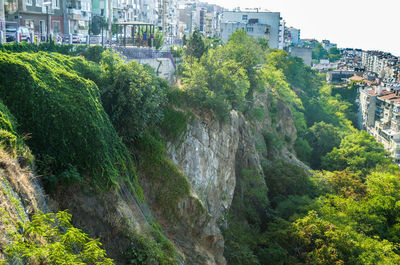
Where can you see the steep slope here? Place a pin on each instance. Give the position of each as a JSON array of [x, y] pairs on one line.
[[214, 156], [79, 154]]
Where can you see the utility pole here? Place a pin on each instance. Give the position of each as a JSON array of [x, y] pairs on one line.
[[2, 21], [47, 4], [110, 17]]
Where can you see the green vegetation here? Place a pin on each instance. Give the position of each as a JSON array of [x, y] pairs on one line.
[[347, 215], [72, 110], [10, 140], [195, 46], [152, 250], [224, 77], [93, 123], [131, 95], [319, 53], [159, 39], [64, 116], [50, 239], [91, 53]]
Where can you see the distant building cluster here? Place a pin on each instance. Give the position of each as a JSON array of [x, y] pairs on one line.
[[175, 18], [378, 76], [380, 107]]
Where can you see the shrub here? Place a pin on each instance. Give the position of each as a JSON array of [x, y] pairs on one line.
[[51, 239], [132, 96]]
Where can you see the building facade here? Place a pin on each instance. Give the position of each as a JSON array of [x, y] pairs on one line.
[[266, 25], [39, 16], [380, 110]]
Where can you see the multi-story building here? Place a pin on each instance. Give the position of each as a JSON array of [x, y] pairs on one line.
[[40, 16], [293, 36], [328, 45], [259, 24], [78, 16], [380, 111], [384, 64], [203, 16]]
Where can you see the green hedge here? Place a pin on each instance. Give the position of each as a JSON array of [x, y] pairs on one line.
[[92, 53]]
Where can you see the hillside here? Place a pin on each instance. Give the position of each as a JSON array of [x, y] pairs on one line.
[[251, 158]]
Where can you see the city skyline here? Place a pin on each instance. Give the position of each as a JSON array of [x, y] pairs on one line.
[[372, 27]]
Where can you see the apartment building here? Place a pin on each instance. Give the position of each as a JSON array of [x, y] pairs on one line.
[[36, 15], [293, 36], [327, 44], [203, 16], [259, 24], [384, 64], [380, 111]]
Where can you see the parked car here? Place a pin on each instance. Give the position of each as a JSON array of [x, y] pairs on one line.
[[25, 34], [76, 39], [11, 33]]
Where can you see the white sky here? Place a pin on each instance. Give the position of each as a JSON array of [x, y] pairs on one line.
[[365, 24]]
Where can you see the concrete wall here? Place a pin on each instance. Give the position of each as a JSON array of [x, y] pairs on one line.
[[303, 53], [165, 67]]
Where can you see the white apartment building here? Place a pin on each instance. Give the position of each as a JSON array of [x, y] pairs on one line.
[[259, 24], [380, 111]]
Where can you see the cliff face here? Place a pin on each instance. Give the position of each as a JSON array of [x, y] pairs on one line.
[[212, 155], [20, 196]]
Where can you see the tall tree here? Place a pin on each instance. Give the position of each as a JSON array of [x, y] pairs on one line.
[[195, 45]]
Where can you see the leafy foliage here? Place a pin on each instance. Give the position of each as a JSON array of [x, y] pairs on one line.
[[153, 249], [195, 45], [159, 39], [51, 239], [63, 113], [131, 95], [91, 53], [358, 152]]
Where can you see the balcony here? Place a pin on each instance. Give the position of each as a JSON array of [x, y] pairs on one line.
[[74, 11]]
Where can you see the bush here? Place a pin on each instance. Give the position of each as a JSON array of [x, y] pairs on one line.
[[132, 96], [51, 239], [91, 53]]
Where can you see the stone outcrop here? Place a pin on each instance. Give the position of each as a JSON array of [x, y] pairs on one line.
[[212, 154]]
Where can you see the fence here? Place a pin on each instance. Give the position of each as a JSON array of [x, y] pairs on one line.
[[144, 53]]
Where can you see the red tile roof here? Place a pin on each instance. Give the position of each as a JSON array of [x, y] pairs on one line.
[[393, 95]]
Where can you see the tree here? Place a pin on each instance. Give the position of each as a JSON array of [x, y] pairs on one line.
[[158, 39], [195, 45], [322, 138], [334, 54], [358, 152], [131, 95], [215, 81], [319, 52], [246, 51]]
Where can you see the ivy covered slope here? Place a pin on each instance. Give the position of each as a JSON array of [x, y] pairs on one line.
[[81, 148], [27, 236], [70, 133]]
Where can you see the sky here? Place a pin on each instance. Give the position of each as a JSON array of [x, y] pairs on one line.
[[365, 24]]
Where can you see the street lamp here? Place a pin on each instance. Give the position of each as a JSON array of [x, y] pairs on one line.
[[47, 4]]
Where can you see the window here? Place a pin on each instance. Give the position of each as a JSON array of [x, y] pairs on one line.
[[56, 4], [249, 29], [56, 27], [244, 17], [29, 23], [38, 2], [28, 2]]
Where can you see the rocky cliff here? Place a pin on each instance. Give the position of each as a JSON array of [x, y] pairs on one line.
[[213, 153]]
